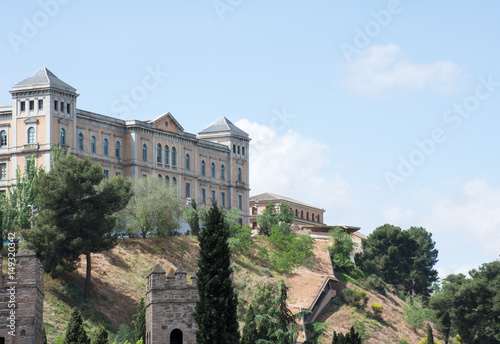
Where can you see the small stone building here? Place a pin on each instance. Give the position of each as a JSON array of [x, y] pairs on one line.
[[23, 294], [170, 303]]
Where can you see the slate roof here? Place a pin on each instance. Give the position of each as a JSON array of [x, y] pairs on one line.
[[267, 196], [223, 125], [45, 77]]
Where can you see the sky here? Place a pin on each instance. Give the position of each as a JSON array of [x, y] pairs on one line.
[[376, 111]]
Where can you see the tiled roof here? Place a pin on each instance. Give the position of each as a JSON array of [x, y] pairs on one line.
[[267, 196], [223, 125], [44, 77]]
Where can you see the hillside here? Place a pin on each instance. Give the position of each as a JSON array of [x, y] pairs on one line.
[[118, 282]]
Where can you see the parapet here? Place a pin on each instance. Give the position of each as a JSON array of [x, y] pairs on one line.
[[158, 278]]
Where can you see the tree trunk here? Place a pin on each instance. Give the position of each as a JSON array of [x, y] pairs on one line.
[[87, 277]]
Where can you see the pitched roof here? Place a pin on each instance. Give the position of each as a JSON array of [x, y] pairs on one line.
[[223, 125], [267, 196], [44, 77]]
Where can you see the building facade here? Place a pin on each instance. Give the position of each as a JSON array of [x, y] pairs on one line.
[[212, 165]]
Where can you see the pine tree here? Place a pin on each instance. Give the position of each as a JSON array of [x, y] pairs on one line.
[[75, 333], [250, 334], [350, 338], [102, 337], [139, 321], [430, 336], [215, 311]]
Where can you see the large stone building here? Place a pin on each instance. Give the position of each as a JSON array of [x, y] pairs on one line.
[[214, 164]]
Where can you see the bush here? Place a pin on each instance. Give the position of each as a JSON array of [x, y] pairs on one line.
[[424, 341], [376, 283], [354, 296], [403, 341], [377, 309]]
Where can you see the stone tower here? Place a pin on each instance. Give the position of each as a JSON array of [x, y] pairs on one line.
[[21, 301], [170, 304]]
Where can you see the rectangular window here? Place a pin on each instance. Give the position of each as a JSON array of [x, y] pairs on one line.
[[106, 174], [234, 149], [62, 107], [203, 196], [188, 190], [238, 149], [118, 173], [223, 199], [55, 105], [242, 150], [240, 202], [32, 105], [68, 108], [40, 104], [212, 196], [3, 171], [23, 106]]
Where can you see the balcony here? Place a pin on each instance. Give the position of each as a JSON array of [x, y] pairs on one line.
[[30, 147], [240, 184]]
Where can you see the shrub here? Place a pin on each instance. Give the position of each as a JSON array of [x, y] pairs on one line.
[[424, 341], [376, 283], [377, 309], [354, 296], [403, 341]]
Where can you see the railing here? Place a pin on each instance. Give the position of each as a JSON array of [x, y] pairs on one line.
[[30, 147]]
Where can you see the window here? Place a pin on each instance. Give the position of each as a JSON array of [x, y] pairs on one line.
[[239, 174], [234, 149], [223, 199], [212, 196], [312, 216], [188, 162], [222, 172], [160, 178], [238, 149], [203, 168], [32, 105], [106, 174], [144, 175], [31, 135], [55, 105], [166, 155], [174, 156], [240, 202], [203, 196], [212, 170], [302, 214], [158, 153], [80, 141], [3, 171], [68, 108], [3, 138], [93, 148], [23, 106], [167, 180], [144, 152], [105, 147], [307, 215], [62, 107], [62, 136], [118, 173], [243, 150], [40, 104], [117, 149], [188, 190], [174, 181], [296, 212]]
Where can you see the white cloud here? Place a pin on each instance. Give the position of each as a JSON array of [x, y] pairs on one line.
[[293, 165], [379, 69], [397, 216]]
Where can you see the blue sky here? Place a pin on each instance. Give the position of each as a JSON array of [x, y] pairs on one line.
[[379, 112]]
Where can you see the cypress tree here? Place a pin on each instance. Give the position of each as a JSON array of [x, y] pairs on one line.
[[250, 334], [75, 333], [102, 337], [139, 321], [215, 311], [430, 336]]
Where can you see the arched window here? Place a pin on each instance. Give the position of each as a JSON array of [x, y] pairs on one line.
[[176, 337], [93, 148], [144, 152], [188, 162], [158, 153], [240, 177], [296, 212], [212, 170], [118, 149], [312, 216], [31, 135], [302, 214], [160, 177], [203, 168], [80, 142], [307, 215], [222, 172], [3, 138], [174, 181], [167, 180], [62, 136], [174, 156], [166, 153], [105, 147]]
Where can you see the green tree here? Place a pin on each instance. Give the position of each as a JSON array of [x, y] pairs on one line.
[[250, 334], [154, 207], [350, 338], [190, 214], [274, 215], [341, 248], [75, 332], [215, 311], [423, 275], [139, 321], [242, 241], [76, 215], [289, 250], [316, 331], [102, 337], [430, 336]]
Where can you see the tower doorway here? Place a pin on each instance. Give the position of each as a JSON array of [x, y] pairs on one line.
[[176, 336]]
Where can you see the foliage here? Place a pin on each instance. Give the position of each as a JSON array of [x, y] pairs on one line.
[[425, 341], [271, 217], [76, 215], [376, 283], [316, 332], [354, 296], [350, 338], [75, 333], [232, 218], [215, 311], [290, 250], [415, 314], [153, 208], [250, 334], [403, 340], [472, 304], [242, 240], [340, 249], [405, 257], [139, 321], [261, 293], [190, 214], [102, 337], [377, 309]]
